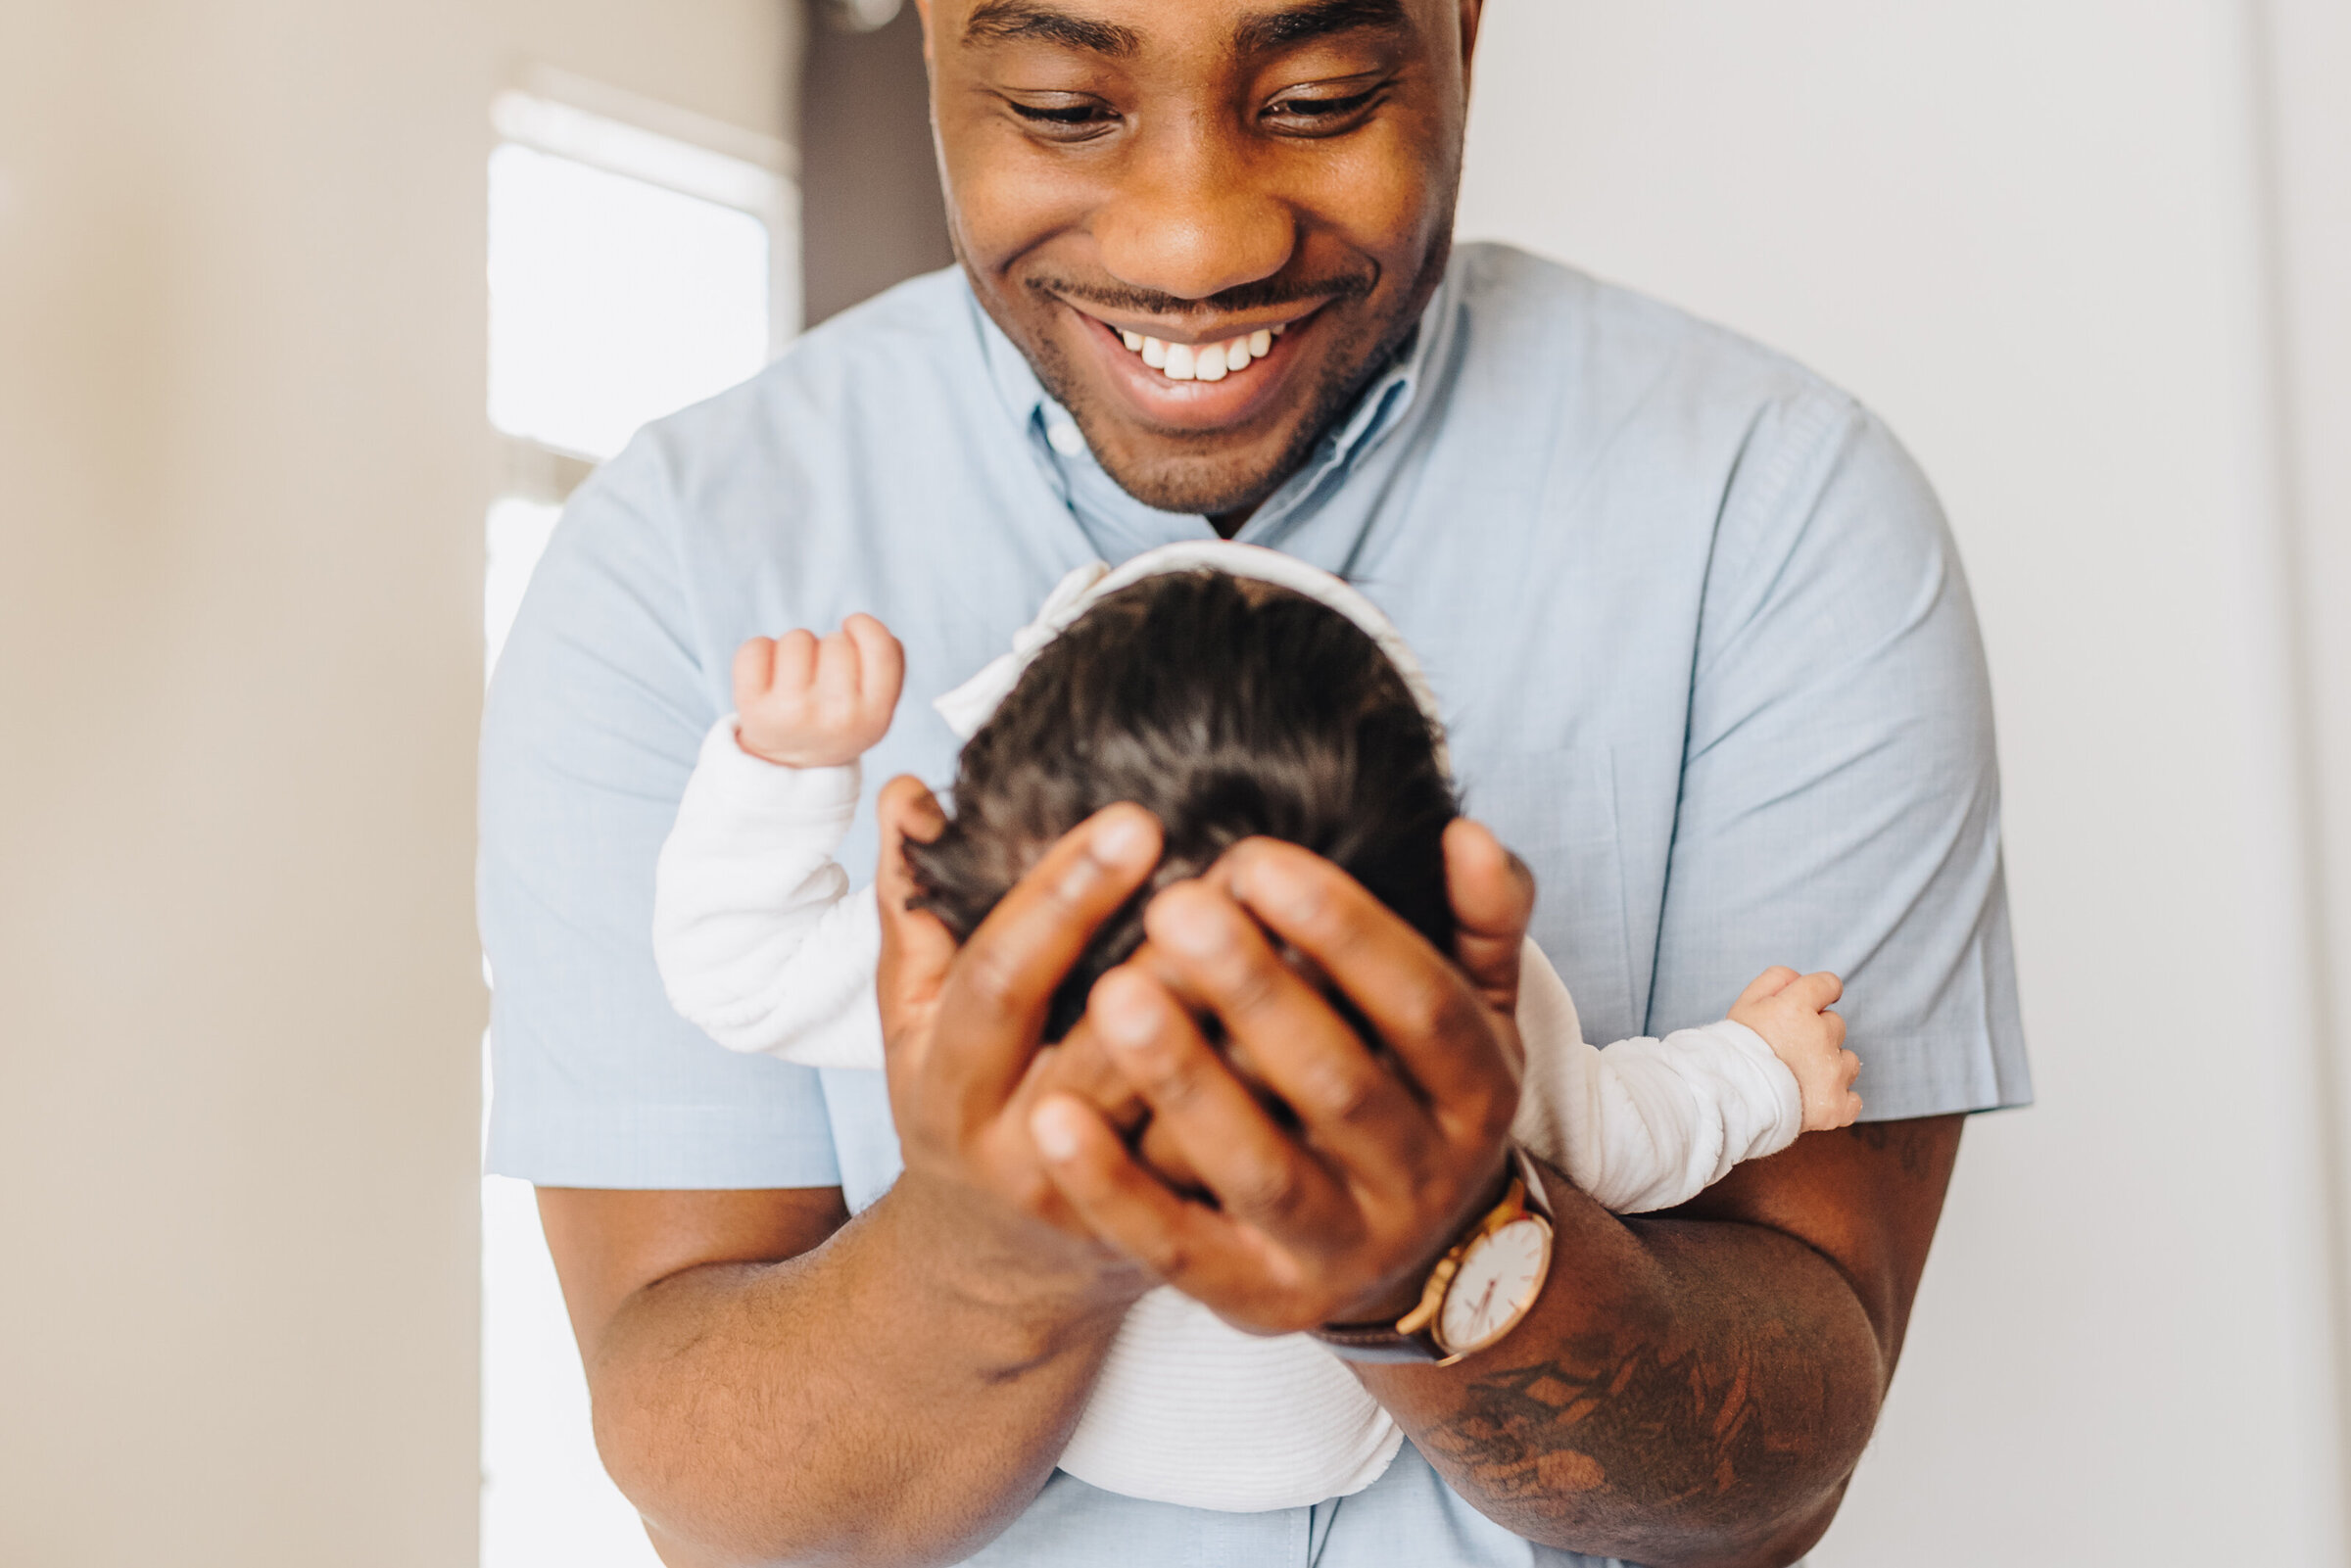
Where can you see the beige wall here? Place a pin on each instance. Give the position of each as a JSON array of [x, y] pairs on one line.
[[243, 464], [2084, 265], [2038, 236]]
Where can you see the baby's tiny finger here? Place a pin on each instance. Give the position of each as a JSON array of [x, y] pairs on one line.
[[1835, 1027], [754, 668], [882, 657], [1771, 982], [796, 660], [1816, 991], [1849, 1068], [836, 673]]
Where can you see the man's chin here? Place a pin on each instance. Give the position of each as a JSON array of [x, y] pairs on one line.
[[1213, 485], [1218, 474]]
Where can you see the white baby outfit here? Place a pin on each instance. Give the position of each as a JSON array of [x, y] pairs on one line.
[[761, 942]]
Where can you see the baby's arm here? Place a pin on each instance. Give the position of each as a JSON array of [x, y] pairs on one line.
[[1649, 1123], [1790, 1012], [757, 939]]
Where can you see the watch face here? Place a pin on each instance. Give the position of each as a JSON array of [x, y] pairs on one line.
[[1497, 1282]]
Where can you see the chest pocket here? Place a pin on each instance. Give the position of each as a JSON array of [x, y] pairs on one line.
[[1556, 810]]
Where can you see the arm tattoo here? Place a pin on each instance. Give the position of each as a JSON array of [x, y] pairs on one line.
[[1633, 1423], [1914, 1145], [1708, 1423]]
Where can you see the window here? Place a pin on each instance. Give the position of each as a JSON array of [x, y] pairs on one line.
[[640, 259]]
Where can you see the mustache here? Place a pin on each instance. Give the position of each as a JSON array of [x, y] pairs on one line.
[[1265, 293]]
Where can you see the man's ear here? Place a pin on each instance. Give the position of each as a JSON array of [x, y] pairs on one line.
[[1472, 13]]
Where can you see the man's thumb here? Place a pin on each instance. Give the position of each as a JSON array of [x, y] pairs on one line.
[[917, 949], [1493, 896]]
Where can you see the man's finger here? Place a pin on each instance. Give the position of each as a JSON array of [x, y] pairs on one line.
[[916, 950], [1440, 1027], [1188, 1245], [1261, 1175], [1003, 981], [1080, 1064], [1493, 897], [1353, 1107]]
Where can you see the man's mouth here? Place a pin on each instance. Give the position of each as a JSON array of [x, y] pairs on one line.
[[1201, 361]]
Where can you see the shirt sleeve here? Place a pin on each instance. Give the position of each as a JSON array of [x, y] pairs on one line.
[[1645, 1124], [754, 931], [600, 705], [1840, 801]]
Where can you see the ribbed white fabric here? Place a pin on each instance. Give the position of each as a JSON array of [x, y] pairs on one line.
[[760, 943], [757, 941]]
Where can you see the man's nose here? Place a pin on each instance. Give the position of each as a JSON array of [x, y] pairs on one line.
[[1190, 221]]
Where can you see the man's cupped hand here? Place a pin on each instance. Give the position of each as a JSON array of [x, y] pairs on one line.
[[1331, 1213]]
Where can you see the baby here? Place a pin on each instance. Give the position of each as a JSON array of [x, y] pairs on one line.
[[1232, 691]]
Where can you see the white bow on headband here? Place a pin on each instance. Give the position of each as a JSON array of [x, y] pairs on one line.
[[971, 704]]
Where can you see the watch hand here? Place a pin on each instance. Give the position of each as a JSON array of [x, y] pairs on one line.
[[1477, 1313]]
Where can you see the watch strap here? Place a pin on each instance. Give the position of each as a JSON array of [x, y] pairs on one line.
[[1412, 1339]]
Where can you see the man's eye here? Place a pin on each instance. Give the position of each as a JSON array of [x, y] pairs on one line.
[[1064, 118], [1319, 112]]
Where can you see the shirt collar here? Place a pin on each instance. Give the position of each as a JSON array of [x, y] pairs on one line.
[[1120, 526]]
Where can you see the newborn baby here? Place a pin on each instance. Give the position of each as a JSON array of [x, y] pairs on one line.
[[1232, 691]]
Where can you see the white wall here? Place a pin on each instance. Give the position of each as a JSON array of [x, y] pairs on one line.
[[243, 468], [2035, 235]]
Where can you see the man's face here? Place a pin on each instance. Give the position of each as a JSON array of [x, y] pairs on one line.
[[1144, 189]]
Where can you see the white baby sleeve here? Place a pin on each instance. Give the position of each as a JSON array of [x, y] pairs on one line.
[[1646, 1123], [758, 938]]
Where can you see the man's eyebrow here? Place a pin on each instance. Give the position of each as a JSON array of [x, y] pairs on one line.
[[1004, 21], [1282, 30]]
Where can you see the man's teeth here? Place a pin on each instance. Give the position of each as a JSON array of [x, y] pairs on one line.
[[1201, 361]]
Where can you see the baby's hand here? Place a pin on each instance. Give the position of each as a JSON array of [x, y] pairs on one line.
[[811, 702], [1792, 1013]]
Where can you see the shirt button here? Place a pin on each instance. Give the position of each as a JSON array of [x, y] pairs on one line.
[[1063, 437]]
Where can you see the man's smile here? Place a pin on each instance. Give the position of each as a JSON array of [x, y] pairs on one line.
[[1206, 373]]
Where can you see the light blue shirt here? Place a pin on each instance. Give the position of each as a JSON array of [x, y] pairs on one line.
[[1704, 650]]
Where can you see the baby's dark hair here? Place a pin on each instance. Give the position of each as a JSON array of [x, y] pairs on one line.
[[1227, 707]]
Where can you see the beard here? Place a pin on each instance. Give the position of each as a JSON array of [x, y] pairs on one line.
[[1218, 483]]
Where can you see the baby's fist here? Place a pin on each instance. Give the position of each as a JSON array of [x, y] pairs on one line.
[[1790, 1012], [817, 703]]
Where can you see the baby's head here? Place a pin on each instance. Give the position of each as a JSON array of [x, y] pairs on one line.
[[1226, 707]]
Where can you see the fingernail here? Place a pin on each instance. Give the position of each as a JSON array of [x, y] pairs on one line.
[[1120, 839], [1270, 895], [1180, 925], [1055, 1134], [1121, 1017]]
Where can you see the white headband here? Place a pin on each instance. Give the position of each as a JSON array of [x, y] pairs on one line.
[[971, 704]]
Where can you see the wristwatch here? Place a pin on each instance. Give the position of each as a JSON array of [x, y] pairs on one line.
[[1481, 1289]]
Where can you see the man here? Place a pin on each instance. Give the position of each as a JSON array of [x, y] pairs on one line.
[[1708, 667]]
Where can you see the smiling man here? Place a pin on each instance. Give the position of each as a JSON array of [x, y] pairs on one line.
[[1708, 667]]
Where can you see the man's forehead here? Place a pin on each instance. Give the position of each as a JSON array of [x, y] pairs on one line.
[[1122, 28]]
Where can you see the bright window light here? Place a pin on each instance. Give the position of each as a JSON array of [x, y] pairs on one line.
[[631, 273], [519, 530], [614, 300], [545, 1500]]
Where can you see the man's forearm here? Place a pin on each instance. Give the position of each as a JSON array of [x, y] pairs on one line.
[[879, 1398], [1689, 1406], [1688, 1391]]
